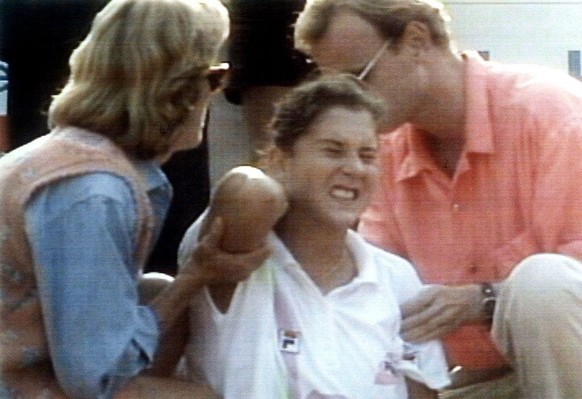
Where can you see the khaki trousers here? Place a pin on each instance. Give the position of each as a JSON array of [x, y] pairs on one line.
[[501, 388], [538, 326]]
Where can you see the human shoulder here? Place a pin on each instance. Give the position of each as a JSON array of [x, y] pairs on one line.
[[394, 264], [394, 272], [390, 259], [64, 194], [103, 184], [530, 88]]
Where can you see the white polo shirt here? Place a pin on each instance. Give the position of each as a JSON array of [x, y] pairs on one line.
[[282, 338]]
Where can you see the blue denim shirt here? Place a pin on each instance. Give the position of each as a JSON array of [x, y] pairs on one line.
[[82, 233]]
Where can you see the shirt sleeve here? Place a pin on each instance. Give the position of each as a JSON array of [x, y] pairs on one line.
[[557, 202], [83, 234], [190, 240], [553, 211]]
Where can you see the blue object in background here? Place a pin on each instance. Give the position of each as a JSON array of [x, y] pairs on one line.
[[3, 87]]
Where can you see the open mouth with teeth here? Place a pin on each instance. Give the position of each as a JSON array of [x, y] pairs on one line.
[[344, 193]]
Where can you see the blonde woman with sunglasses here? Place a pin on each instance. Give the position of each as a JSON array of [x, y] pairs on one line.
[[81, 208]]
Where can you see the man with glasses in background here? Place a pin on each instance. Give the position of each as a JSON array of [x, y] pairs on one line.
[[480, 190]]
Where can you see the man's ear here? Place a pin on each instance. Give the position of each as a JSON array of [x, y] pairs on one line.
[[416, 37]]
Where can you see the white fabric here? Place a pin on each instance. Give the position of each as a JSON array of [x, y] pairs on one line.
[[344, 335], [544, 345]]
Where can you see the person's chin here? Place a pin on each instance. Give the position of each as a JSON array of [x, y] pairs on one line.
[[346, 221]]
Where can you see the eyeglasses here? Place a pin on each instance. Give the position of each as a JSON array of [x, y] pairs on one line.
[[216, 76], [372, 63]]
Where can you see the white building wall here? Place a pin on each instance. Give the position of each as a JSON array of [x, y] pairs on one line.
[[519, 31]]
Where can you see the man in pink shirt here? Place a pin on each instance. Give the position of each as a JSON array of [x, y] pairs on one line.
[[480, 190]]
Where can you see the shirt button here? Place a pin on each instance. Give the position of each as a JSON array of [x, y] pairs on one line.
[[456, 207], [473, 268]]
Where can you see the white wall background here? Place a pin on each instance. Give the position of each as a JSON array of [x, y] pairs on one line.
[[519, 31]]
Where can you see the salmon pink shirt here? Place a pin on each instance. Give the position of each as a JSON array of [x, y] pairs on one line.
[[516, 191]]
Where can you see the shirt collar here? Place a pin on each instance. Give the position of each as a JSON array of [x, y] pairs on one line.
[[281, 254], [152, 173], [478, 131], [367, 271], [363, 258], [417, 157]]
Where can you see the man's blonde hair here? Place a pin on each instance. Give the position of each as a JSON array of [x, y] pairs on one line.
[[140, 69], [389, 17]]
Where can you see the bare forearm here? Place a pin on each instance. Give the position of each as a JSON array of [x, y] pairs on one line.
[[172, 303], [438, 310], [144, 387], [171, 348]]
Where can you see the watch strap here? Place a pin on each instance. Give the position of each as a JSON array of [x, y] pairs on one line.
[[488, 300]]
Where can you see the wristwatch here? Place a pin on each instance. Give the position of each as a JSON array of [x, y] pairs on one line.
[[488, 300]]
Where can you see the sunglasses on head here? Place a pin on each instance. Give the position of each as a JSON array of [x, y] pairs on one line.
[[216, 76]]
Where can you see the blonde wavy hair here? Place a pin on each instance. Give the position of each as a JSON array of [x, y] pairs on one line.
[[389, 17], [140, 69]]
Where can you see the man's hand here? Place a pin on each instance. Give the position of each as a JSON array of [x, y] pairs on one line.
[[438, 310], [209, 265]]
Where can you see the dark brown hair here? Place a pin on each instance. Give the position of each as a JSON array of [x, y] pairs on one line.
[[299, 108]]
